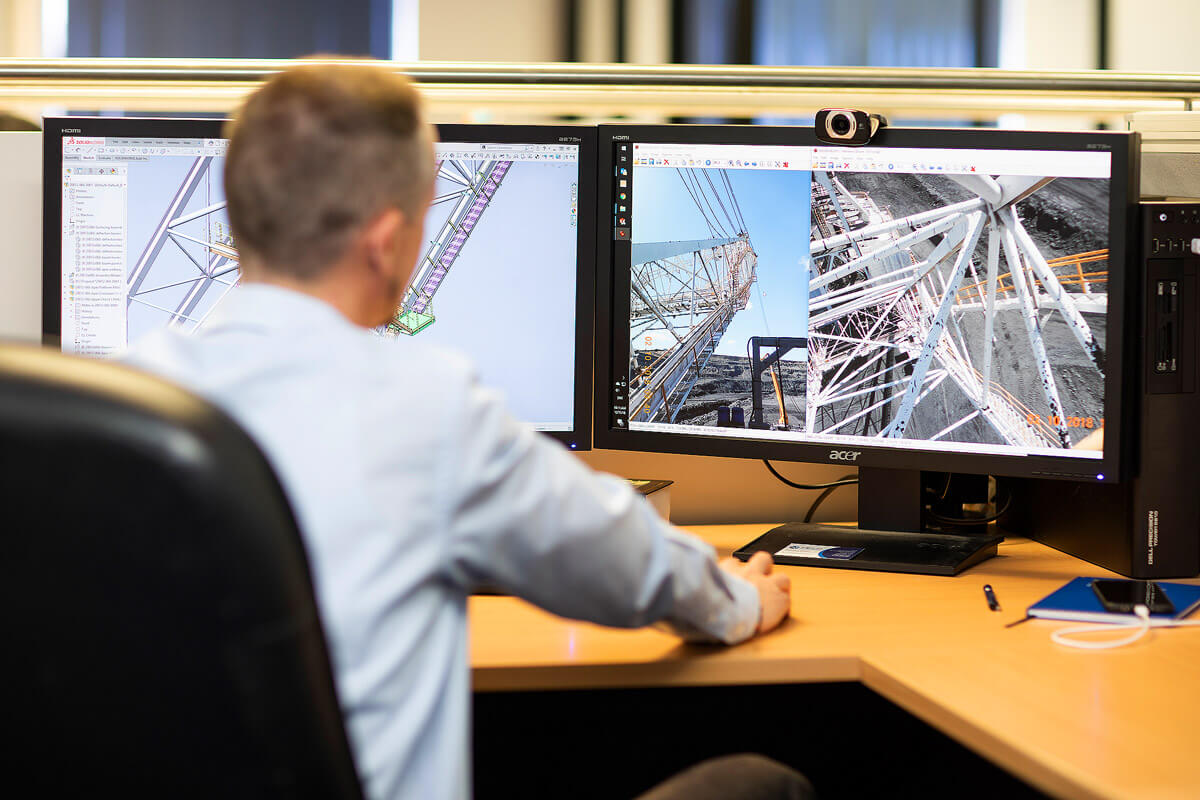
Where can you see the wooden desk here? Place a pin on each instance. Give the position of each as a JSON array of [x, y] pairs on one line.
[[1121, 723]]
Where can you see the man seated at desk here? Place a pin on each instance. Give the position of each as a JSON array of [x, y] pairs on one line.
[[411, 482]]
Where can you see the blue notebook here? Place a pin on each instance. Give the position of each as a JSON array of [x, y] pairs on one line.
[[1077, 601]]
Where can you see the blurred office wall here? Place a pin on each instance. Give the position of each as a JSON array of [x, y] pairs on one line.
[[865, 33], [1153, 35], [1127, 35], [21, 28], [485, 30], [20, 229], [228, 28]]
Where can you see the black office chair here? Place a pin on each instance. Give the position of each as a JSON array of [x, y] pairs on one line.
[[159, 635]]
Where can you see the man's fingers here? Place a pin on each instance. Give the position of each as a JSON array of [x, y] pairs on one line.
[[760, 562], [729, 564], [782, 580]]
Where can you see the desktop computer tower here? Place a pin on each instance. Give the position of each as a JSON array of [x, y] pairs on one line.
[[1148, 525]]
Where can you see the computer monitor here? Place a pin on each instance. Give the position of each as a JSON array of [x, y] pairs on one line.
[[947, 301], [136, 237]]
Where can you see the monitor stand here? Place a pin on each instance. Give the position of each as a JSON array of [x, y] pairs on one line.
[[891, 537]]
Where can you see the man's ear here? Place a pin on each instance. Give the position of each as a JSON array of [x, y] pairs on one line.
[[380, 238]]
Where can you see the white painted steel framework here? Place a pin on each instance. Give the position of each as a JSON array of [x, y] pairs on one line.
[[686, 293], [210, 250], [692, 295], [464, 188], [886, 325]]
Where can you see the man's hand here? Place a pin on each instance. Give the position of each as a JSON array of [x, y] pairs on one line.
[[774, 590]]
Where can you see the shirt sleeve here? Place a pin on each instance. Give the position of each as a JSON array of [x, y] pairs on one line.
[[525, 515]]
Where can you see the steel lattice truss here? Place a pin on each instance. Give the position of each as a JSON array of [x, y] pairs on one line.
[[211, 251], [886, 327], [690, 289], [464, 188]]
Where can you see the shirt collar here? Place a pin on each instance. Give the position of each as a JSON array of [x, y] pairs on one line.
[[268, 307]]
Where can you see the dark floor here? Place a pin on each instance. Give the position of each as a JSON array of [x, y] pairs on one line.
[[615, 743]]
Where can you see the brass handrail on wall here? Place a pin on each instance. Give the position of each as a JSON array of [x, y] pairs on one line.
[[604, 90]]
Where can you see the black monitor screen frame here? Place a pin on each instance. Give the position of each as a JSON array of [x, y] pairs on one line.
[[56, 128], [613, 303]]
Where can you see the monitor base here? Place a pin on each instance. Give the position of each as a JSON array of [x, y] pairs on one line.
[[881, 551]]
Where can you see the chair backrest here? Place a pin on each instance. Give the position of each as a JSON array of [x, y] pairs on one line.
[[159, 631]]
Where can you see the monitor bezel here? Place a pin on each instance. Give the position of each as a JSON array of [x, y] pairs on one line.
[[55, 128], [1122, 299], [580, 438]]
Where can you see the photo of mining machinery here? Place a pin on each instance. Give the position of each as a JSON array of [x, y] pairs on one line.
[[690, 290], [463, 191], [962, 308]]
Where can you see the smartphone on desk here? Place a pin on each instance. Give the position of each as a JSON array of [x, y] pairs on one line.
[[1121, 596]]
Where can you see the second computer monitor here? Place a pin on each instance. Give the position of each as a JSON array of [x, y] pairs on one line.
[[137, 237], [939, 300]]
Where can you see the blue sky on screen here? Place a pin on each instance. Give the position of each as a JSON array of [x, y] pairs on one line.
[[775, 205]]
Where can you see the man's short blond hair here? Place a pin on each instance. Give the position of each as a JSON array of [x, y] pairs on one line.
[[317, 152]]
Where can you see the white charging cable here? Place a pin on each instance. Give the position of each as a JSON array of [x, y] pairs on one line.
[[1064, 636], [1139, 626]]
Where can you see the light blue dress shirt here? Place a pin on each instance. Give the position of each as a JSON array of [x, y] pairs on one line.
[[412, 484]]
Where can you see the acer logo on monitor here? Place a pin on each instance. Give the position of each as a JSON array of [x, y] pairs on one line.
[[844, 455]]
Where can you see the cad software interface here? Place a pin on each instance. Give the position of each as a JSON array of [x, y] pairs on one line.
[[146, 243], [940, 299]]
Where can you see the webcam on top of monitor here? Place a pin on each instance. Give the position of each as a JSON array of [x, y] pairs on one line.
[[848, 126]]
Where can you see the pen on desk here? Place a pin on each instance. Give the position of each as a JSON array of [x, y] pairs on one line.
[[992, 602]]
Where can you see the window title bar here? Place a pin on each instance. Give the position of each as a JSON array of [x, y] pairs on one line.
[[1056, 163], [722, 156], [501, 151], [94, 148]]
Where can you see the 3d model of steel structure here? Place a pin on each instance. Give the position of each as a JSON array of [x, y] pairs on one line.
[[215, 258], [470, 186], [691, 290], [886, 326]]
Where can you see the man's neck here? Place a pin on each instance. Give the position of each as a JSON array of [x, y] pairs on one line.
[[351, 301]]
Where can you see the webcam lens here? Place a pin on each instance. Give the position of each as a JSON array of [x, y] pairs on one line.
[[840, 124]]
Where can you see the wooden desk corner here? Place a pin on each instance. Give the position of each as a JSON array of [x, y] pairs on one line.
[[1072, 723]]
